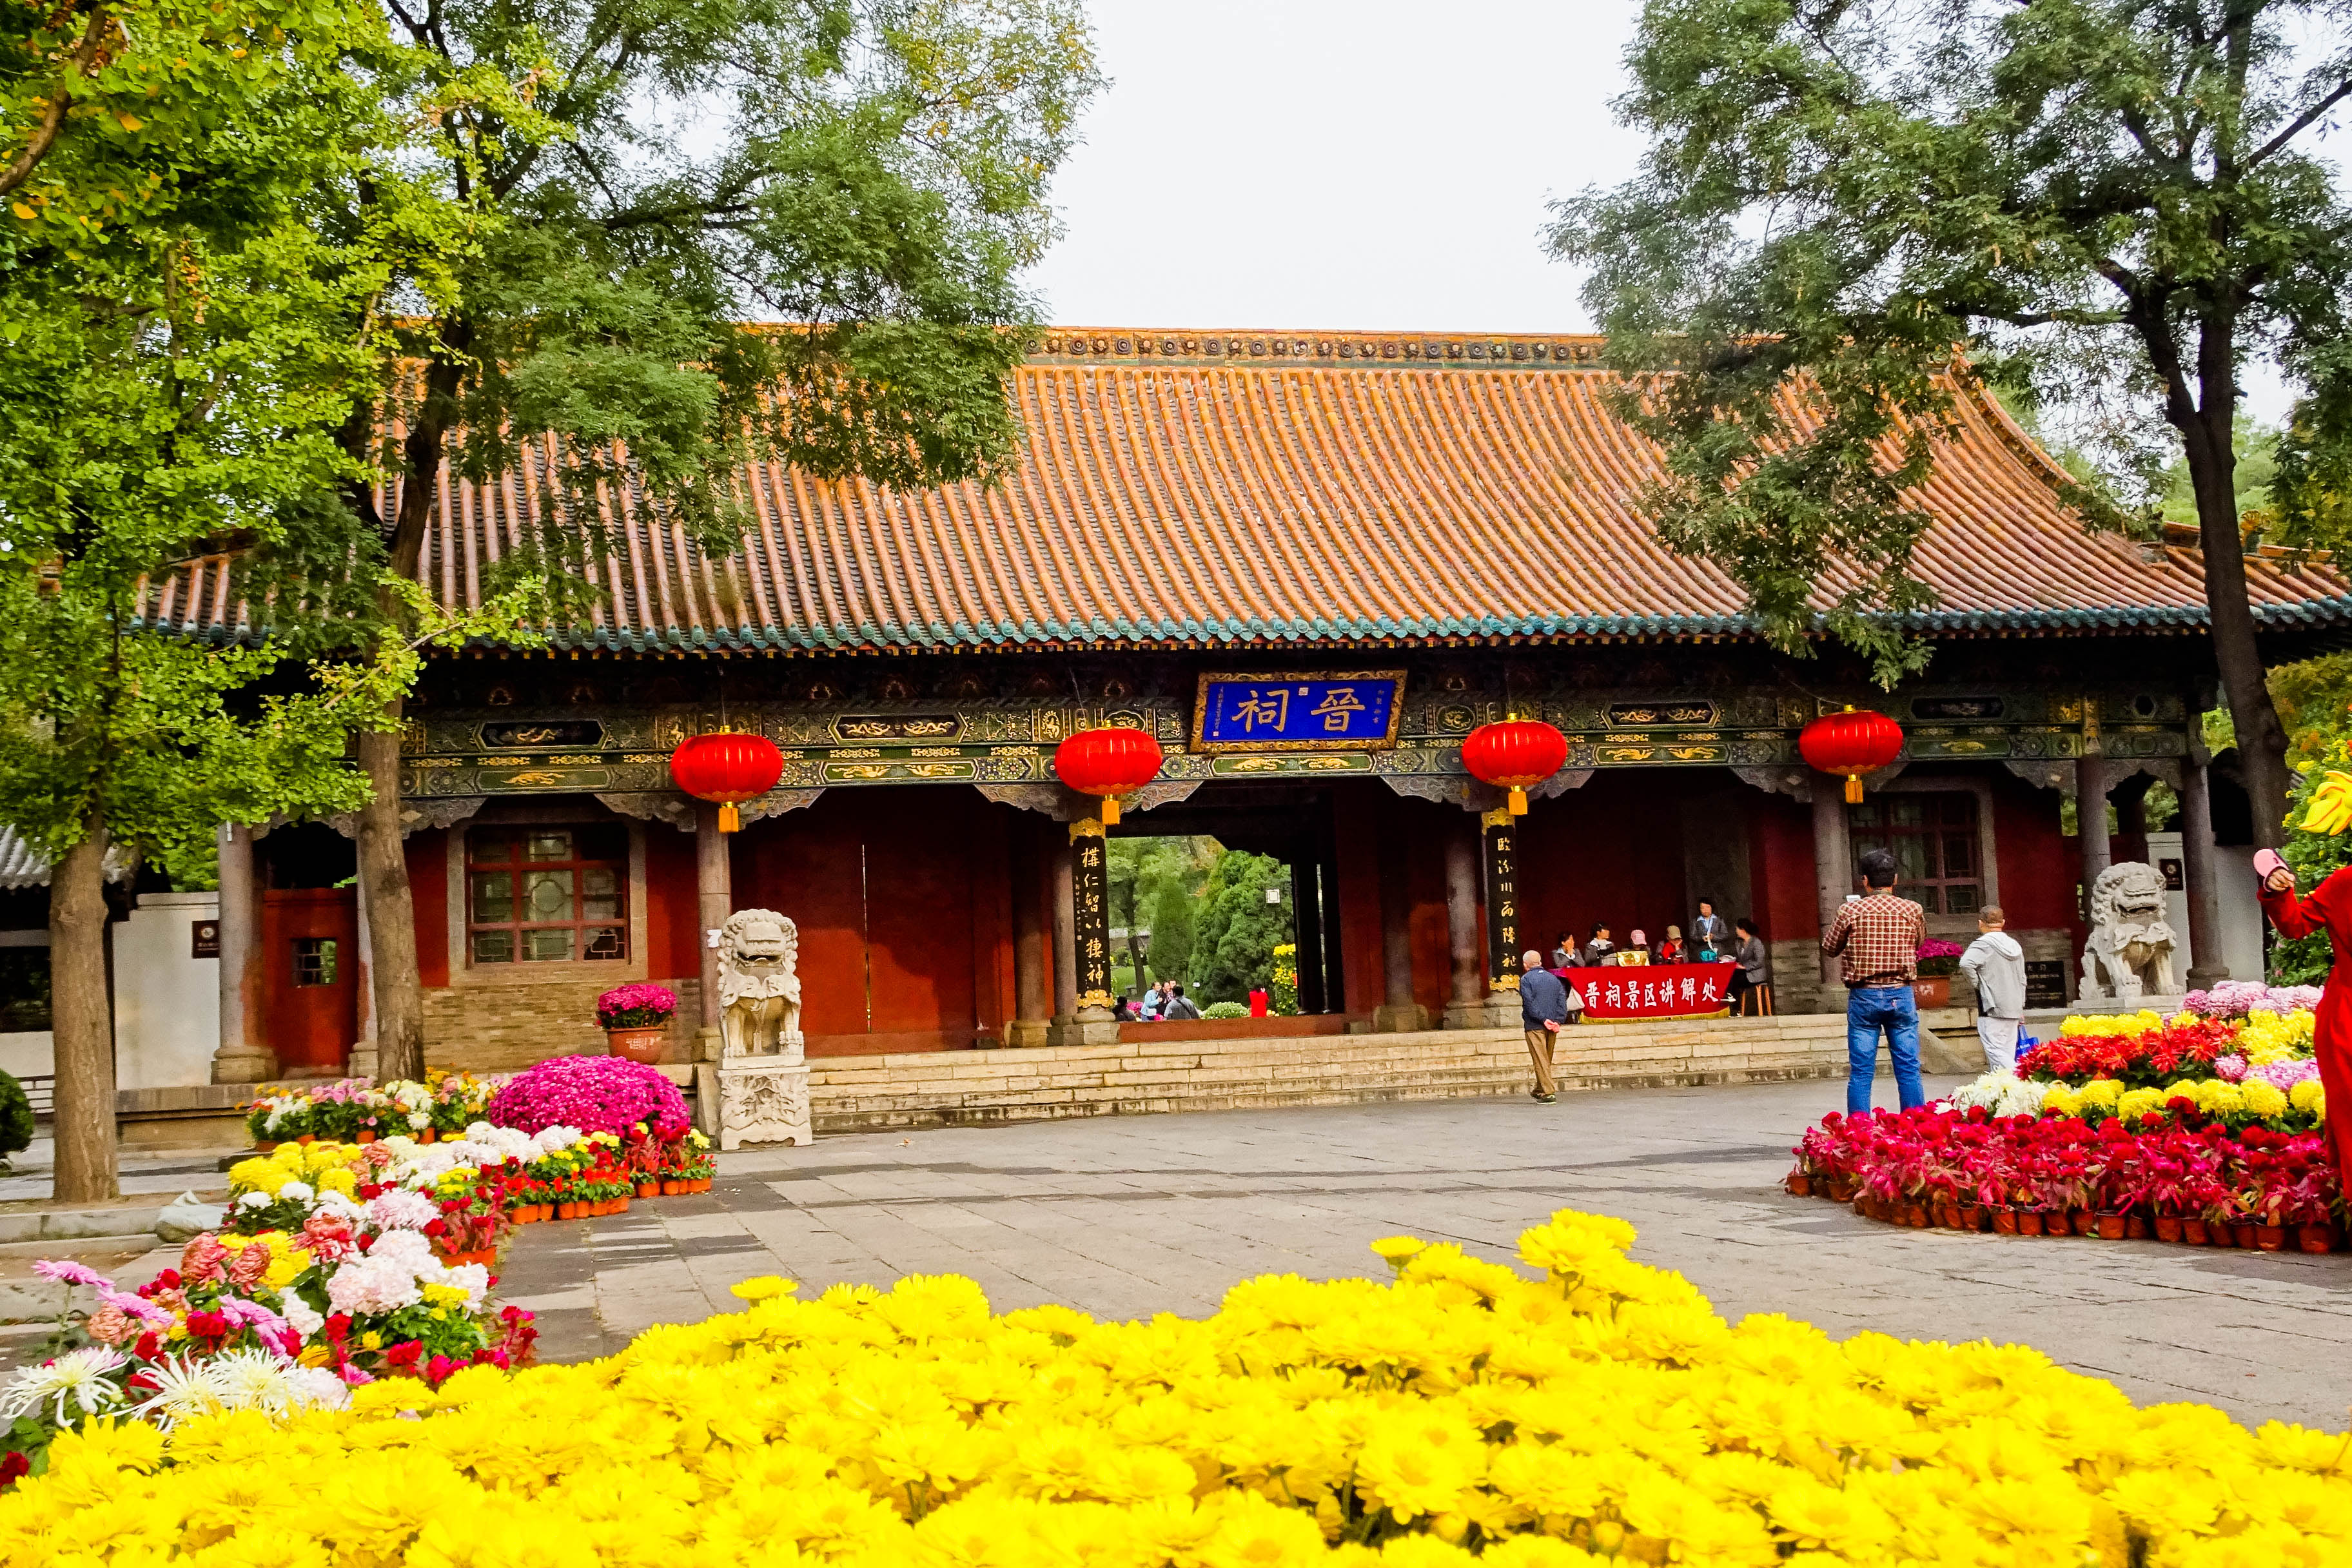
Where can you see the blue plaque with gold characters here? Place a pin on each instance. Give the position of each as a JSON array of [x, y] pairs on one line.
[[1349, 711]]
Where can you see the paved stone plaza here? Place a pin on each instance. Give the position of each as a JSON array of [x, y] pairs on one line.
[[1124, 1216]]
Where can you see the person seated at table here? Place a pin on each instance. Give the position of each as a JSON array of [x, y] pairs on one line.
[[1671, 950], [1637, 947], [1596, 950], [1564, 952]]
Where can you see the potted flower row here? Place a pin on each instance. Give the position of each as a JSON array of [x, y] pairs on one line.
[[2204, 1185]]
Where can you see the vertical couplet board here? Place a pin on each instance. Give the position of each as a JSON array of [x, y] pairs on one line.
[[1500, 839], [1090, 904]]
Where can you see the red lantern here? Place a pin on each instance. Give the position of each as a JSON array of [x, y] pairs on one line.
[[1853, 742], [727, 767], [1514, 755], [1107, 762]]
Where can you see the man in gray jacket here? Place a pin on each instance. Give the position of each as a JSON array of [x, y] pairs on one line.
[[1997, 965], [1543, 1008]]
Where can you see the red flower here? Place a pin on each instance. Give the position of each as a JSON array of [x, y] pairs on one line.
[[14, 1468], [403, 1356]]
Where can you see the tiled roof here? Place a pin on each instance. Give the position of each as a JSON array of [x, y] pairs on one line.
[[22, 866], [1191, 487]]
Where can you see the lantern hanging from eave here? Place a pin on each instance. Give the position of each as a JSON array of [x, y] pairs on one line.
[[727, 767], [1107, 762], [1514, 755], [1854, 742]]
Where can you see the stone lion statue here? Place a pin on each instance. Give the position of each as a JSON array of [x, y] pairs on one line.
[[2130, 950], [759, 985]]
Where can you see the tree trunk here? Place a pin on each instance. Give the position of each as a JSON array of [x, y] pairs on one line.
[[397, 987], [83, 1021], [2207, 437]]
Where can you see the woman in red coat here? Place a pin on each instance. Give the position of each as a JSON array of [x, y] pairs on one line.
[[2328, 909]]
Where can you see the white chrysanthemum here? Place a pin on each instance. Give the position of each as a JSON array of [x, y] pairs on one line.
[[79, 1376], [183, 1389], [253, 1380], [2021, 1097], [471, 1278], [1986, 1091], [402, 1210], [254, 1201], [297, 1192], [316, 1386], [340, 1205], [305, 1320]]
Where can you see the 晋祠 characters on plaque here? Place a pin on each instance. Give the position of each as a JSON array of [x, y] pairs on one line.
[[1349, 711]]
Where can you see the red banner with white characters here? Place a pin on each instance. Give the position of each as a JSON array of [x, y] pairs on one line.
[[1652, 990]]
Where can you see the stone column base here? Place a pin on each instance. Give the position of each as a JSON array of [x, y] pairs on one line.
[[763, 1101], [361, 1060], [1499, 1011], [1026, 1031], [1082, 1031], [1410, 1019], [707, 1046], [252, 1065]]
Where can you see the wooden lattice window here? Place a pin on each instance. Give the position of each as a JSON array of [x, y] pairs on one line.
[[547, 894], [1934, 840]]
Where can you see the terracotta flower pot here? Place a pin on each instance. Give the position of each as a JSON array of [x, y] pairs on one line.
[[2085, 1222], [2244, 1232], [303, 1138], [1841, 1192], [2028, 1222], [1930, 992], [2270, 1237], [2168, 1227], [366, 1135], [2194, 1232], [2321, 1237], [2109, 1226], [646, 1046], [1800, 1186], [2004, 1222], [428, 1136], [2135, 1227], [1916, 1215], [648, 1189], [1948, 1217], [567, 1211]]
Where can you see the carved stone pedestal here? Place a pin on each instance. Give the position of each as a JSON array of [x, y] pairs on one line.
[[1410, 1018], [1026, 1031], [1082, 1030], [763, 1101], [1499, 1011]]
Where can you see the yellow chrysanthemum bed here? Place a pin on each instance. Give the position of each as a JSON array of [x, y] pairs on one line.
[[1602, 1413]]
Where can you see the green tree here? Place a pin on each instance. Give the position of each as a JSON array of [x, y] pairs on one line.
[[1174, 912], [176, 348], [871, 172], [2118, 195], [1239, 928]]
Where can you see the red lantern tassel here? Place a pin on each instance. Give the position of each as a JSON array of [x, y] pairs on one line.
[[1518, 800], [1853, 789], [1110, 811], [731, 820]]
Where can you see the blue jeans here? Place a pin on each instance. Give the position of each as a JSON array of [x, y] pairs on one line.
[[1868, 1010]]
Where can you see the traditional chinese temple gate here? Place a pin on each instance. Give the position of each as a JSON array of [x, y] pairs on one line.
[[1309, 565]]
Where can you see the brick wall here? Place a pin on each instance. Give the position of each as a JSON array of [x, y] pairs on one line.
[[503, 1029]]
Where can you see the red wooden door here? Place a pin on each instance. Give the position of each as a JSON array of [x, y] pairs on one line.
[[311, 1008]]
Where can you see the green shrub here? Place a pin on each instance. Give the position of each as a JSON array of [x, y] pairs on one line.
[[15, 1118], [1224, 1010]]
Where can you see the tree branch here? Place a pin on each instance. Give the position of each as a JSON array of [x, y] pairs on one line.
[[53, 118], [2301, 123]]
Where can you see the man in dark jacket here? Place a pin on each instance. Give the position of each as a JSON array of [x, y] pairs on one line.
[[1543, 1008]]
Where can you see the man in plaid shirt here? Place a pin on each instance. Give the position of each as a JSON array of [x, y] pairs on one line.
[[1877, 938]]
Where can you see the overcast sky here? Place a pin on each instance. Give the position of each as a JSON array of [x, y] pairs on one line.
[[1336, 163], [1345, 164]]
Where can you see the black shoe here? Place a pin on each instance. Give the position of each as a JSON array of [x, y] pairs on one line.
[[1541, 1098]]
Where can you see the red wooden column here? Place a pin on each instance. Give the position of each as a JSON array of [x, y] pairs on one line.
[[714, 885], [1033, 901]]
